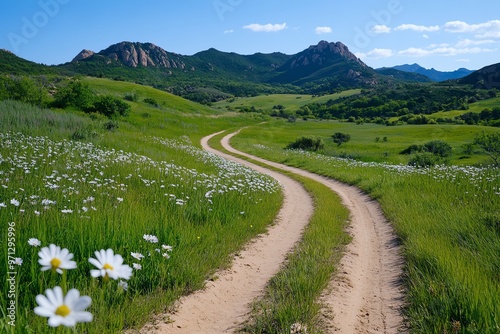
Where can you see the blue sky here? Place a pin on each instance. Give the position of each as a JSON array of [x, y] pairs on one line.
[[442, 34]]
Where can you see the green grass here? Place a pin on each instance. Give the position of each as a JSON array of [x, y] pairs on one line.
[[473, 107], [110, 189], [447, 218], [364, 145], [291, 101]]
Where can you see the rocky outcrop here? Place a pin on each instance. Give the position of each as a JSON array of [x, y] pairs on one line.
[[143, 54], [324, 52], [84, 54]]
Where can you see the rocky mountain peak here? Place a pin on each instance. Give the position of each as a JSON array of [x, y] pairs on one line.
[[323, 53], [143, 54], [84, 54]]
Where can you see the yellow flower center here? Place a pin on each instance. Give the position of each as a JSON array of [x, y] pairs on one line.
[[63, 310], [107, 266], [55, 262]]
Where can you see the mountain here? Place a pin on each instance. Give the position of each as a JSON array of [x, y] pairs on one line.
[[332, 62], [433, 74], [325, 66], [402, 75], [12, 64], [137, 54], [487, 77]]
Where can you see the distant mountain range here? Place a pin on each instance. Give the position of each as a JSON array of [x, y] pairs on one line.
[[320, 68], [432, 74]]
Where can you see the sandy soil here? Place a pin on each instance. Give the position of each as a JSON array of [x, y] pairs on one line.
[[365, 297]]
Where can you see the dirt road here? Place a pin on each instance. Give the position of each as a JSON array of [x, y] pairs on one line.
[[365, 297]]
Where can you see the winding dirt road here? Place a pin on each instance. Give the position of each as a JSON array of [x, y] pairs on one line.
[[365, 297]]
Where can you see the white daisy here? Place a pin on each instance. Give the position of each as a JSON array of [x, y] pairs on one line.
[[63, 310], [18, 261], [123, 285], [167, 248], [55, 258], [150, 238], [14, 202], [34, 242], [109, 265], [138, 256], [136, 266]]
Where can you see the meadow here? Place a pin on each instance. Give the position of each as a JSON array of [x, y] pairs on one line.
[[446, 217], [173, 212], [142, 187], [291, 102]]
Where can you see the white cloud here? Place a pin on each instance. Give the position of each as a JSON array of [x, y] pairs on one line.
[[265, 27], [228, 31], [468, 42], [376, 54], [323, 30], [418, 28], [489, 29], [442, 51], [463, 60], [425, 36], [381, 29]]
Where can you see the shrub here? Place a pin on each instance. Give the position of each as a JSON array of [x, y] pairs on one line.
[[111, 106], [77, 95], [307, 144], [151, 101], [438, 147], [111, 125], [132, 97], [22, 89], [340, 138], [490, 143], [422, 160], [412, 149]]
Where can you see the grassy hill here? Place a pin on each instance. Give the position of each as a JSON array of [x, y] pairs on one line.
[[290, 101], [109, 182]]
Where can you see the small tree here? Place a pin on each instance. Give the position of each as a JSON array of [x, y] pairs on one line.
[[490, 143], [340, 138], [77, 95]]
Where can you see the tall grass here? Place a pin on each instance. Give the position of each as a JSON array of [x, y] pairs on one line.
[[448, 219], [85, 197]]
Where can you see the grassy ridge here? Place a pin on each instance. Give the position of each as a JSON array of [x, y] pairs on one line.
[[291, 101], [107, 192], [447, 218]]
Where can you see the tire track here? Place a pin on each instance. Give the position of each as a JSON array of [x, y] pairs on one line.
[[366, 296]]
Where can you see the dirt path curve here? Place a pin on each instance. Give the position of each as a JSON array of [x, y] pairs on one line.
[[225, 303], [366, 296]]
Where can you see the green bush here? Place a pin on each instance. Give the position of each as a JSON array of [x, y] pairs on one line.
[[339, 138], [22, 89], [111, 106], [132, 97], [77, 95], [307, 144], [438, 147], [152, 102], [424, 159]]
